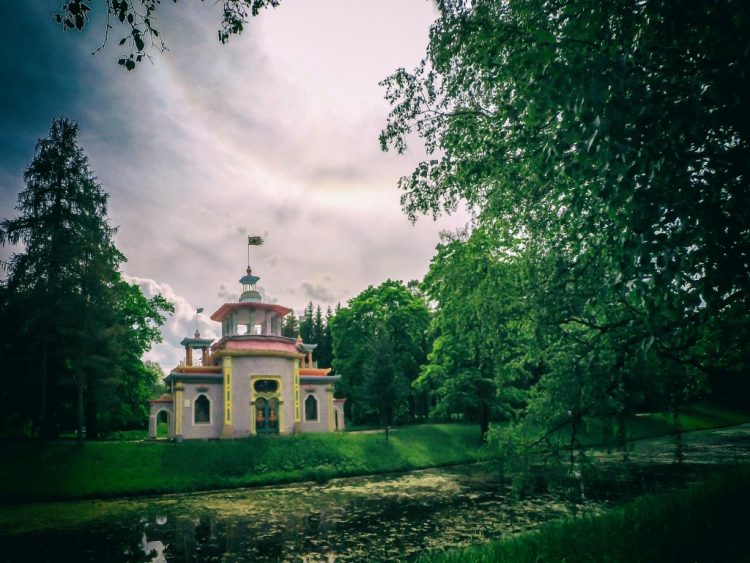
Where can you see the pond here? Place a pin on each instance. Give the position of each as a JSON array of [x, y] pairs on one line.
[[374, 518]]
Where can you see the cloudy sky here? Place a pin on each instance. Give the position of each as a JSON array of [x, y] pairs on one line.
[[273, 134]]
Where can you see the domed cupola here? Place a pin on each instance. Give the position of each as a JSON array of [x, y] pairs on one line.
[[249, 293]]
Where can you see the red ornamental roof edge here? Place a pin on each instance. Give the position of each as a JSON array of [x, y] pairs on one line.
[[226, 308], [321, 372]]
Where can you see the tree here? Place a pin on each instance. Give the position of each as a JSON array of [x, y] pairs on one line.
[[383, 318], [65, 239], [617, 125], [484, 353], [119, 384], [606, 143], [306, 324], [386, 388], [76, 313], [317, 326], [138, 18], [290, 326], [324, 351]]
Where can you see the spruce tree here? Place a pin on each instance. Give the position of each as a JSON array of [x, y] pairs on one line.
[[66, 244], [77, 316]]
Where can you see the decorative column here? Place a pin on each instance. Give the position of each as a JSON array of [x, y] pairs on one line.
[[227, 430], [297, 409], [331, 423], [178, 389]]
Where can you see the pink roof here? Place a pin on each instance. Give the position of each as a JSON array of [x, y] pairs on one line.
[[227, 308], [314, 371]]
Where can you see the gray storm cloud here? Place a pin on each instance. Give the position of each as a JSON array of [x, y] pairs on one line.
[[273, 134]]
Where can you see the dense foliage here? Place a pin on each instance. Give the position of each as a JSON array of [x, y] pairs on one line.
[[603, 150], [73, 330], [379, 343]]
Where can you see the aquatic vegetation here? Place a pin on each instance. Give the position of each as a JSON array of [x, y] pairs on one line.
[[707, 522]]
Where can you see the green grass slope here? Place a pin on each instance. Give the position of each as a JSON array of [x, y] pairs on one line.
[[61, 470]]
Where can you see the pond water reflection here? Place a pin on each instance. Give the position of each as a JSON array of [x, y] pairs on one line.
[[371, 518], [347, 519]]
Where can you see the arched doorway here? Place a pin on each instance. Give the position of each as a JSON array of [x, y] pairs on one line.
[[162, 425], [267, 415]]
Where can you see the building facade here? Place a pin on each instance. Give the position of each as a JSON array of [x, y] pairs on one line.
[[252, 381]]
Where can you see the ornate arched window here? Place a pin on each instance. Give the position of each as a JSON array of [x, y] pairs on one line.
[[266, 386], [202, 411], [311, 408]]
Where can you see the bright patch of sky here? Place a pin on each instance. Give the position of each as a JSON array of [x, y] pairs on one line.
[[273, 134]]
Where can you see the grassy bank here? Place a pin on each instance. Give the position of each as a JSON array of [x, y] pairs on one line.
[[702, 416], [707, 522], [61, 470]]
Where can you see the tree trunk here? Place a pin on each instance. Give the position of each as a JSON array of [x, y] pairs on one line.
[[79, 417], [43, 389], [92, 419], [484, 421]]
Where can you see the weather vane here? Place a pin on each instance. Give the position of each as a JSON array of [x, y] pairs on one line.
[[252, 241]]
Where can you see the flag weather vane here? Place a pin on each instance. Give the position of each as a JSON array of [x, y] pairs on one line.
[[198, 311], [252, 241]]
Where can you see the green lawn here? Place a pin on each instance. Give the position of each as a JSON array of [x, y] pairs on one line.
[[702, 416], [707, 522], [62, 470]]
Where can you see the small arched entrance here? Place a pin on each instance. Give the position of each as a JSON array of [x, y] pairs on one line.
[[265, 405], [162, 425]]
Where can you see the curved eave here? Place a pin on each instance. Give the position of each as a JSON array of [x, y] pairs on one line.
[[196, 342], [318, 380], [227, 308], [197, 369], [315, 371], [194, 377]]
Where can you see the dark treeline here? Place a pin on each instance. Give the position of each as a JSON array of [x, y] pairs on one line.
[[315, 327], [73, 331], [377, 344]]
